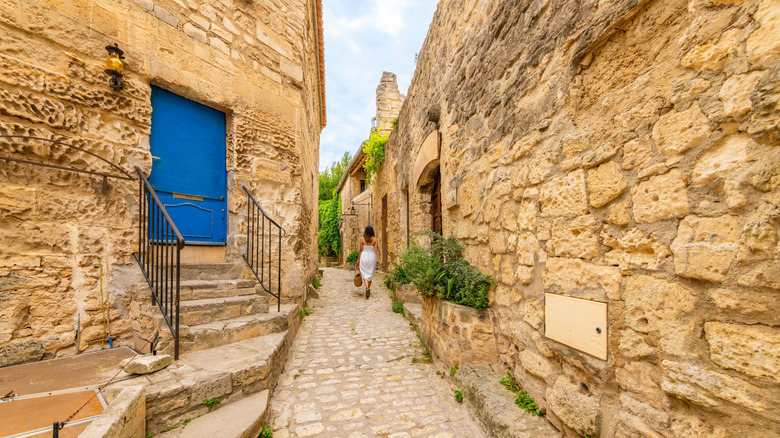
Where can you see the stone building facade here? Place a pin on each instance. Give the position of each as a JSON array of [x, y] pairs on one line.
[[357, 199], [67, 242], [622, 152]]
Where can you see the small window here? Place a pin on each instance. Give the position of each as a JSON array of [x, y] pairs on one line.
[[362, 185]]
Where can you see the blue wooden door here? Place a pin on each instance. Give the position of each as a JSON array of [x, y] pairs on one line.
[[188, 168]]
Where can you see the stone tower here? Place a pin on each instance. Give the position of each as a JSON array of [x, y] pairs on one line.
[[388, 102]]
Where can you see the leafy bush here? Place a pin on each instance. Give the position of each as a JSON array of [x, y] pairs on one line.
[[352, 257], [398, 306], [329, 238], [315, 281], [439, 270], [374, 148], [397, 277]]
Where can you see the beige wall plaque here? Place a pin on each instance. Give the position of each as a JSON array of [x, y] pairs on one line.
[[577, 323]]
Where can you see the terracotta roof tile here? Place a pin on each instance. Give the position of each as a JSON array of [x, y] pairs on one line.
[[321, 44]]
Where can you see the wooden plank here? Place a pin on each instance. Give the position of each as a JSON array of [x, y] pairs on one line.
[[84, 370], [34, 413], [577, 323], [70, 431]]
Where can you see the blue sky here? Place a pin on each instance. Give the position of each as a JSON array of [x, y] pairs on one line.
[[363, 39]]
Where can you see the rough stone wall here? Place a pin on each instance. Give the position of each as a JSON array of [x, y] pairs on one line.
[[388, 102], [626, 152], [256, 61]]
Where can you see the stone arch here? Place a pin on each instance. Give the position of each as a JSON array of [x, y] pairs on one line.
[[427, 163]]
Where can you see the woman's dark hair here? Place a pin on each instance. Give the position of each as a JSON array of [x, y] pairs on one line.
[[369, 233]]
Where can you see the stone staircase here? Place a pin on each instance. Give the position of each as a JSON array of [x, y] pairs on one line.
[[232, 345]]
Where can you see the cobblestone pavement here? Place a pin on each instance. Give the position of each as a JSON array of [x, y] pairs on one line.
[[351, 374]]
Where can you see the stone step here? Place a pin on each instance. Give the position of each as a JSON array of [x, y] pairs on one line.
[[495, 406], [219, 309], [210, 335], [241, 419], [202, 289], [229, 373], [214, 271]]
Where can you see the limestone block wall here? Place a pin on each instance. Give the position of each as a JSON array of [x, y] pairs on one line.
[[619, 151], [256, 61], [458, 334]]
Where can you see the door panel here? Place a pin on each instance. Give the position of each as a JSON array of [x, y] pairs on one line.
[[188, 168], [436, 204]]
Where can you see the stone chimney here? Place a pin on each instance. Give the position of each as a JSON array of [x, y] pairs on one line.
[[388, 102]]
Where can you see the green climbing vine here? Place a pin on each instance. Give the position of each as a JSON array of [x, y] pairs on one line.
[[328, 238], [374, 148]]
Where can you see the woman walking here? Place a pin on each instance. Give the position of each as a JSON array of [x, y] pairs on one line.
[[367, 258]]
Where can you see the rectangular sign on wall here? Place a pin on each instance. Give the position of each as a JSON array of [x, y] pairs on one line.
[[577, 323]]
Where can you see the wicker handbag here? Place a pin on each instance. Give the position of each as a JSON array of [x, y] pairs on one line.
[[358, 280]]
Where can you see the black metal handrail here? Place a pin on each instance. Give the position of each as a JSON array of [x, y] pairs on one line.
[[256, 249], [159, 255]]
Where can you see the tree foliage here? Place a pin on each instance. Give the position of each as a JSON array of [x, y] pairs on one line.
[[374, 148], [330, 177], [328, 238]]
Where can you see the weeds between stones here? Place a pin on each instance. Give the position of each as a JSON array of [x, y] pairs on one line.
[[398, 306], [458, 396], [211, 403], [522, 399], [453, 369], [267, 432]]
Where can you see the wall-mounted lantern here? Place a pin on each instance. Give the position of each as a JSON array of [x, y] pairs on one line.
[[115, 66]]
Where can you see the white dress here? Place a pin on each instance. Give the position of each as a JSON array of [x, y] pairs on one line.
[[368, 262]]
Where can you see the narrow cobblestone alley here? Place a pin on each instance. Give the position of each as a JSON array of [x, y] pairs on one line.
[[351, 374]]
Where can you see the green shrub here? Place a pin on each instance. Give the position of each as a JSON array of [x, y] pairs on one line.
[[315, 281], [352, 257], [374, 148], [267, 432], [397, 276], [398, 306], [439, 270]]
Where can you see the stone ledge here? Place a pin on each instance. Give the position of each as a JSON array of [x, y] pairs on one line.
[[494, 405], [413, 313], [242, 419], [125, 417], [455, 333]]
